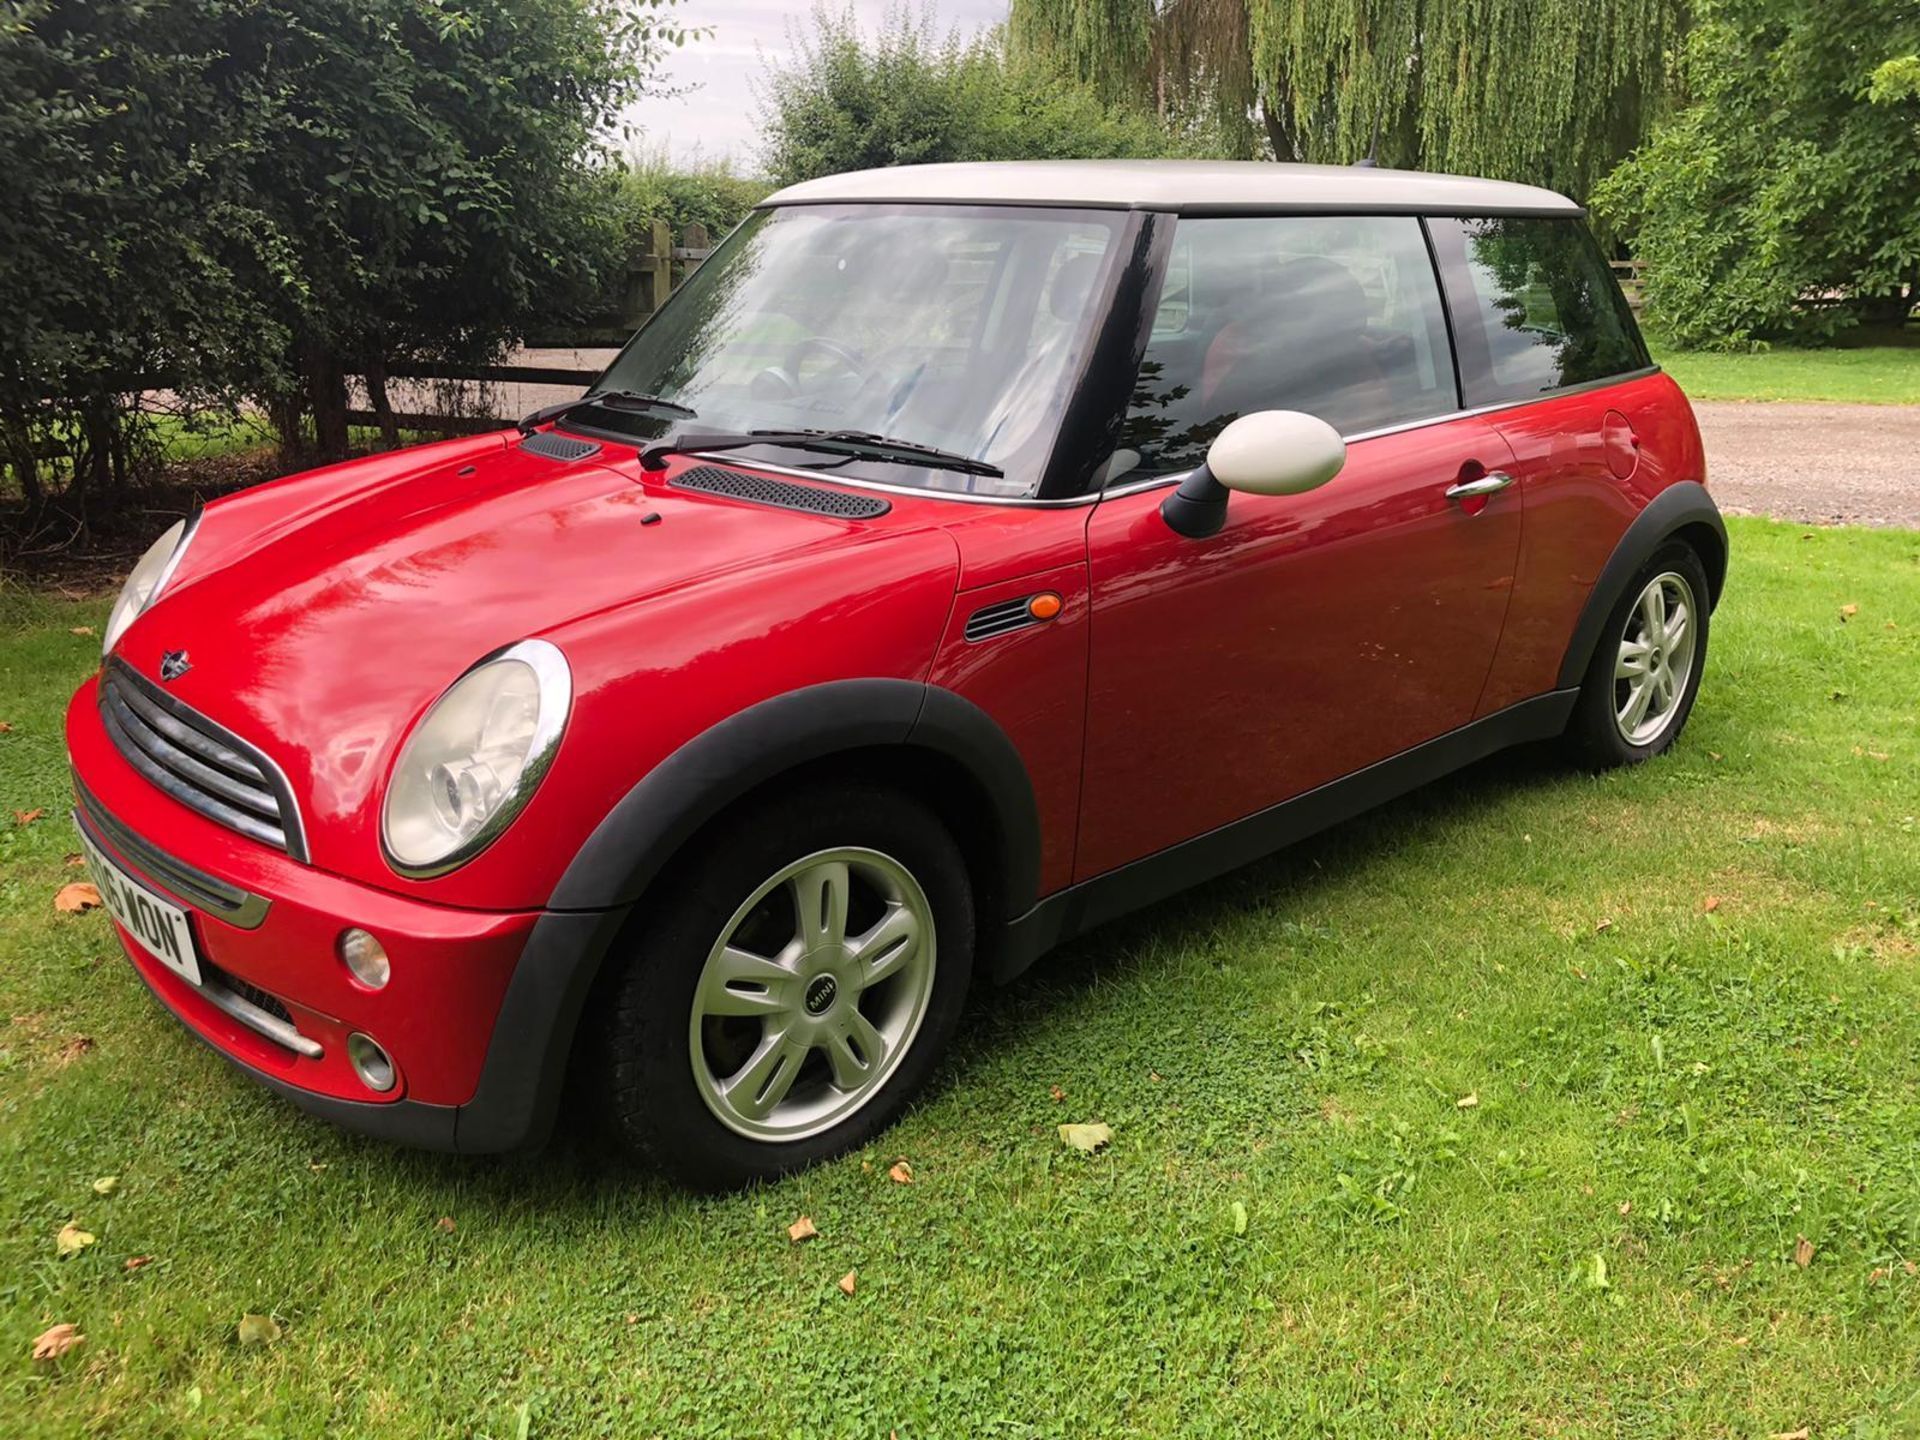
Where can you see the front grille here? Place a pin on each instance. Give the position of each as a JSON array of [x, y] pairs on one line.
[[202, 765]]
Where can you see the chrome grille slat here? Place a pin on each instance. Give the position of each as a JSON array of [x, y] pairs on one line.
[[187, 738], [218, 897], [197, 762], [163, 751]]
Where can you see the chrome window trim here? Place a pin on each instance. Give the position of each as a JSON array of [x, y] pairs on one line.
[[1157, 481], [555, 680]]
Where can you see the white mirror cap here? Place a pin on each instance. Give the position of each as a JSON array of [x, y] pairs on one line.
[[1276, 452]]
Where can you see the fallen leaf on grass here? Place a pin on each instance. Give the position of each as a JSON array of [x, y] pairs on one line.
[[801, 1231], [72, 858], [137, 1262], [847, 1282], [106, 1185], [1239, 1209], [901, 1173], [71, 899], [444, 1225], [1603, 927], [1805, 1432], [27, 817], [1803, 1253], [1088, 1138], [5, 728], [1626, 1207], [71, 1240], [1847, 612], [75, 1048], [53, 1343], [1057, 1094], [1469, 1101], [1710, 904], [257, 1330], [83, 629]]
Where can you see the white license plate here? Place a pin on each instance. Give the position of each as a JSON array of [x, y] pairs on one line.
[[159, 927]]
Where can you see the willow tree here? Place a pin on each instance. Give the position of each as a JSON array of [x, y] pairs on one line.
[[1550, 91]]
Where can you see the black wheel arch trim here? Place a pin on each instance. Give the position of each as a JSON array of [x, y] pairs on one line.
[[1680, 506], [758, 745]]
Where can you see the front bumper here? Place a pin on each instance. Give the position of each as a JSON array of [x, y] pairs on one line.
[[479, 1014]]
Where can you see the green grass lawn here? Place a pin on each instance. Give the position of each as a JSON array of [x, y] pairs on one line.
[[1500, 1112], [1867, 374]]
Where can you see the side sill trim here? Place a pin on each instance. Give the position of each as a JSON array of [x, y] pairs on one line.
[[1079, 908]]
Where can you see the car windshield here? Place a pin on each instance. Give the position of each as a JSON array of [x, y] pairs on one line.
[[950, 327]]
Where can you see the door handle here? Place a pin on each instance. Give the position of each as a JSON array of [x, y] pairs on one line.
[[1492, 483]]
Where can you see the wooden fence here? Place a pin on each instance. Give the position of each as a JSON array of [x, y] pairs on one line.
[[657, 268]]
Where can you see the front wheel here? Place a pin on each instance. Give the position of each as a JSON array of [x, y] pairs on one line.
[[791, 989], [1646, 670]]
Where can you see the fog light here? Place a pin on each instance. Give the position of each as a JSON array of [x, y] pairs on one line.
[[370, 1063], [366, 958]]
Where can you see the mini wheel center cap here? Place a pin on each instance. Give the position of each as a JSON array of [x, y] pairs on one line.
[[820, 994]]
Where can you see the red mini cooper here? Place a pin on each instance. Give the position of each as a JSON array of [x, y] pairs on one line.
[[965, 555]]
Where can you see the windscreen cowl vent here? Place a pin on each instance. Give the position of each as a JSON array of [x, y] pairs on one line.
[[760, 490], [558, 447]]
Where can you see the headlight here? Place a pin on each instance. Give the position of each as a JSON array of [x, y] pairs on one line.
[[148, 579], [475, 759]]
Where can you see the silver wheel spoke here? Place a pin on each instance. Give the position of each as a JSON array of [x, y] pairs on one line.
[[1653, 611], [1676, 627], [1638, 698], [820, 894], [889, 945], [763, 1082], [855, 1052], [1632, 661], [739, 982]]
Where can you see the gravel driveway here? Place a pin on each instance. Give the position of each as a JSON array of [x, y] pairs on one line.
[[1817, 464]]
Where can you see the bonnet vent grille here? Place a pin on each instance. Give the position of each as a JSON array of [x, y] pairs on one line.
[[762, 491], [558, 447]]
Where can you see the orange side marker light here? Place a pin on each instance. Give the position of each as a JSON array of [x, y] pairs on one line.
[[1044, 606]]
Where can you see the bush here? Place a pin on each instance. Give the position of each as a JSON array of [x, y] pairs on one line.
[[704, 192], [1784, 199], [911, 95]]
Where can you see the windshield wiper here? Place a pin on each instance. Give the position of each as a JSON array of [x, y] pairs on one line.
[[861, 443], [613, 400]]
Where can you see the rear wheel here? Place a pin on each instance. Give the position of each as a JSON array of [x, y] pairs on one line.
[[1646, 670], [793, 986]]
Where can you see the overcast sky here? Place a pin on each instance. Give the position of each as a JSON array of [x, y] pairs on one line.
[[716, 116]]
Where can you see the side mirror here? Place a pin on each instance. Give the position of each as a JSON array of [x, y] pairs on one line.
[[1271, 452]]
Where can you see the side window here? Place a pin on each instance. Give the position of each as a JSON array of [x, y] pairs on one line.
[[1338, 316], [1535, 307]]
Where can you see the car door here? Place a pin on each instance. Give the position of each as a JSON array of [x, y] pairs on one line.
[[1314, 634]]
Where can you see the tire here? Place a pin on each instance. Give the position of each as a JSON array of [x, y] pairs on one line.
[[1602, 732], [783, 1008]]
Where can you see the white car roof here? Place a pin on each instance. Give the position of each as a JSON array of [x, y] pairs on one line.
[[1184, 186]]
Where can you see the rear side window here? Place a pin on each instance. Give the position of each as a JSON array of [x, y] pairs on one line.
[[1339, 316], [1535, 307]]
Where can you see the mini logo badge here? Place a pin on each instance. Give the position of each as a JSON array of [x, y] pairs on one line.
[[174, 664], [820, 994]]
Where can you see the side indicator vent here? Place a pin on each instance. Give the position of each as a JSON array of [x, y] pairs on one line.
[[1005, 616], [760, 490], [558, 447]]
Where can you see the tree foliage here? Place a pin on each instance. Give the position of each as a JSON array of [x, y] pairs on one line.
[[1548, 91], [1784, 199], [244, 196], [913, 95]]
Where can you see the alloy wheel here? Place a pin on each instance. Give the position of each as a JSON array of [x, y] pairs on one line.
[[813, 994], [1655, 659]]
